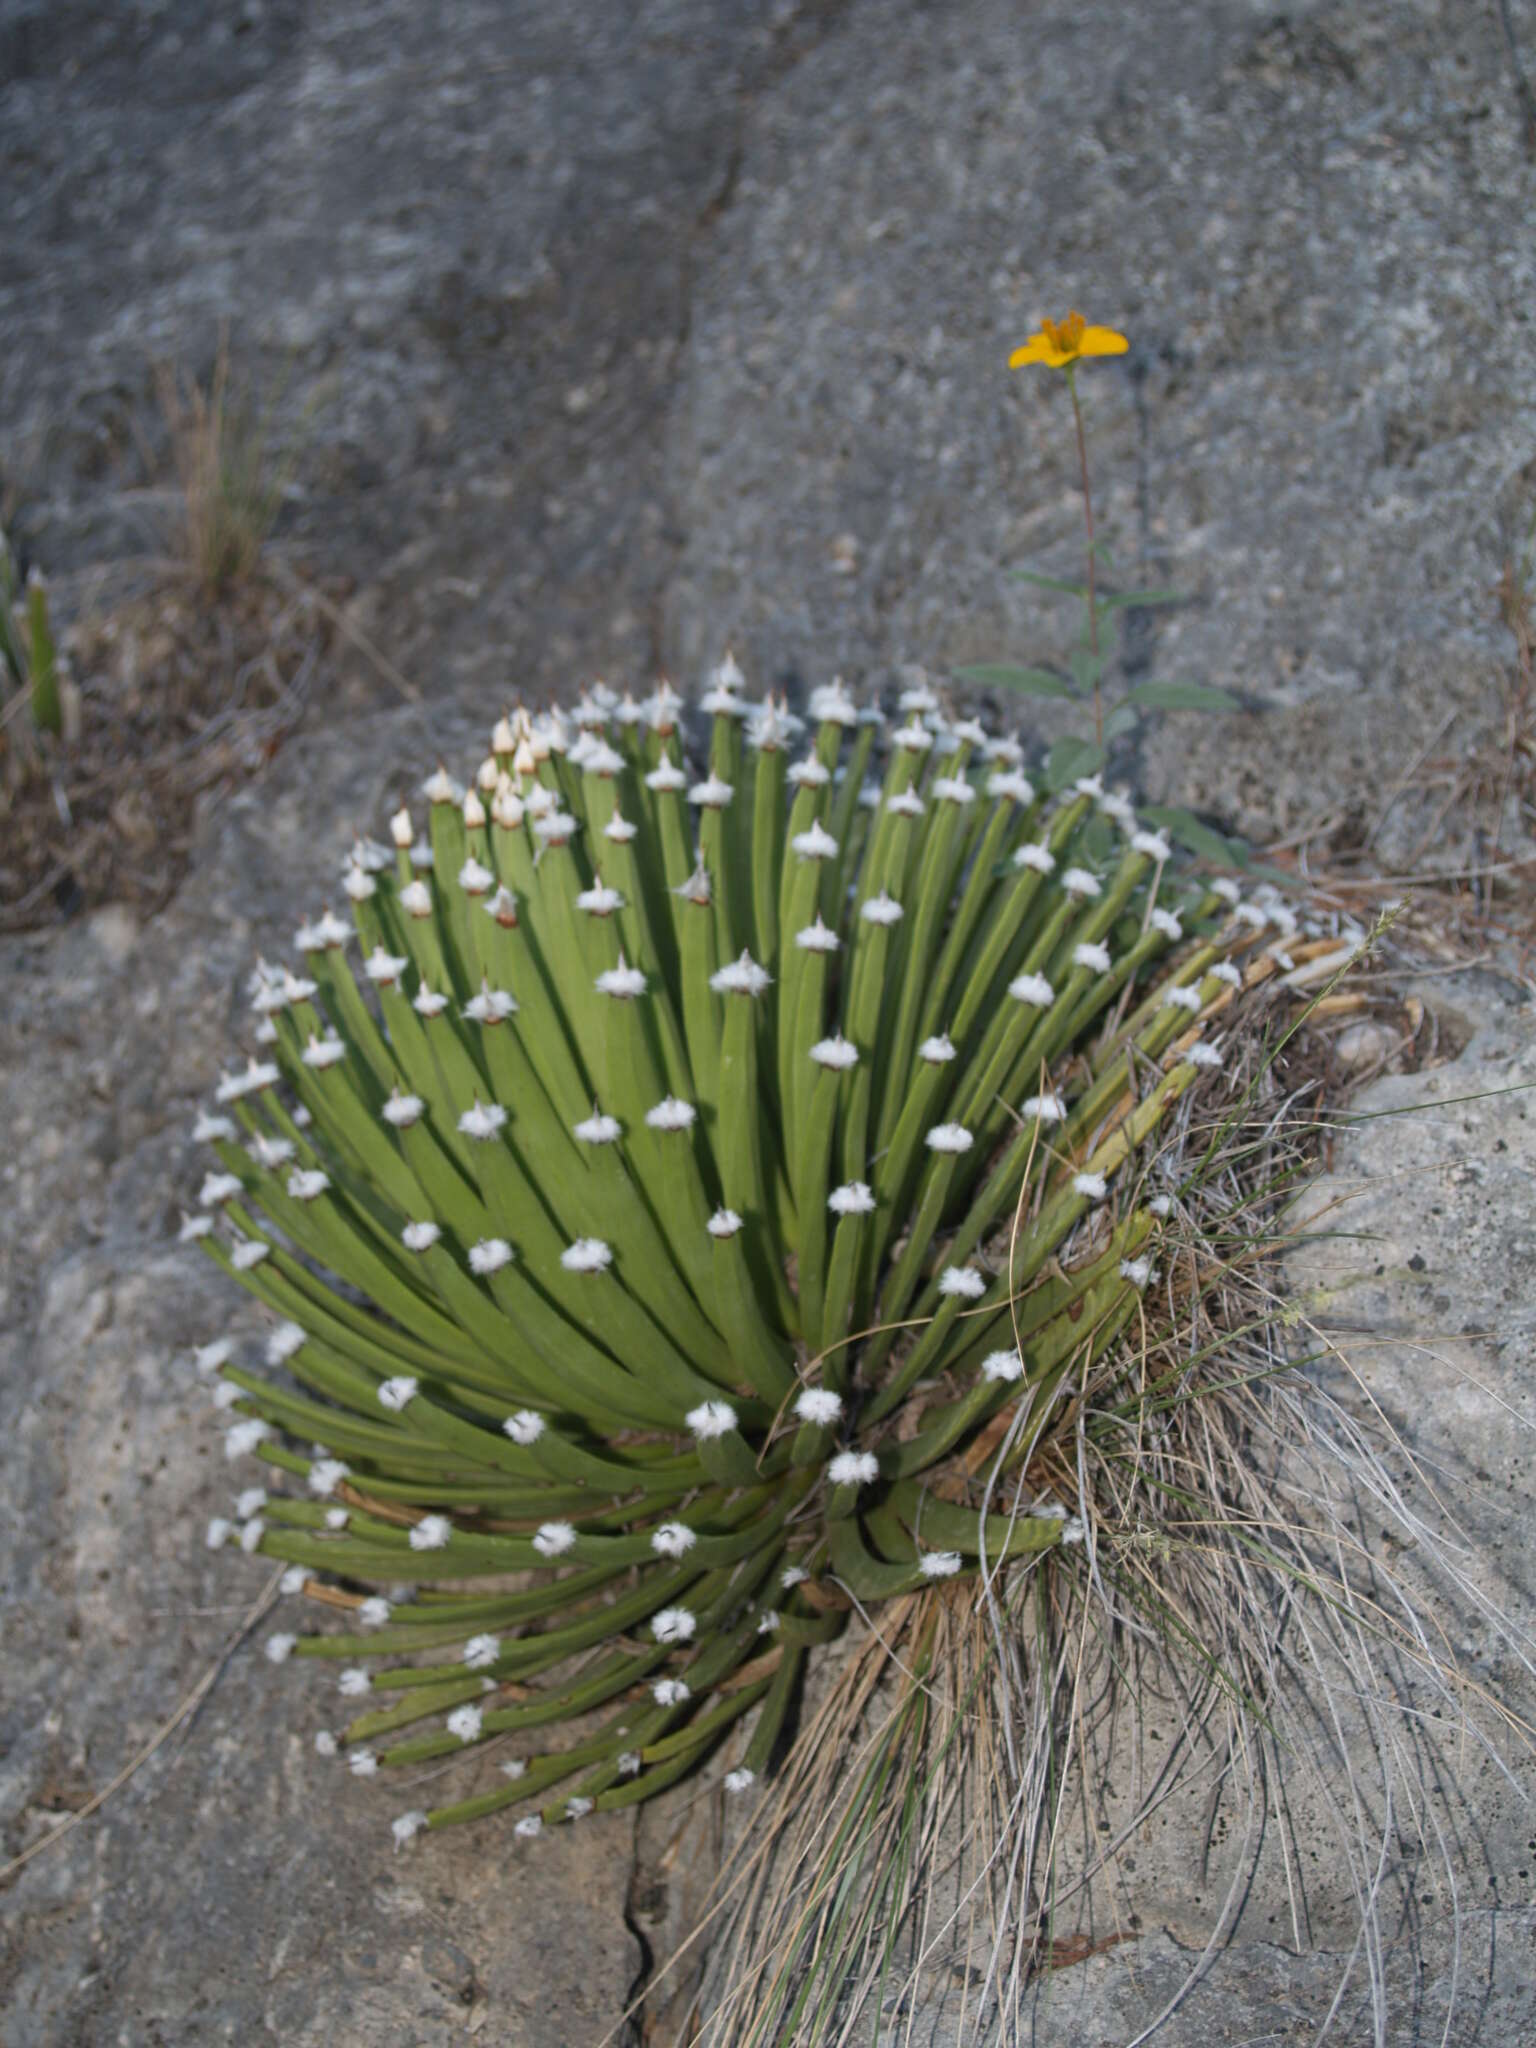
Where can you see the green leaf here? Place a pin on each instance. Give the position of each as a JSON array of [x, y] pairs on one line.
[[1031, 682], [1087, 667], [1122, 719], [47, 713], [1188, 831], [1071, 757], [1049, 582], [1182, 697], [1137, 600]]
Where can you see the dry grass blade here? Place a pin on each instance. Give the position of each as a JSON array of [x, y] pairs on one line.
[[231, 491]]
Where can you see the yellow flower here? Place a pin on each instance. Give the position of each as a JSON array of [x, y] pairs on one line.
[[1060, 343]]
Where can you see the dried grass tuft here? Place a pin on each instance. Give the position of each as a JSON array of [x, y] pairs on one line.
[[1250, 1633], [231, 485]]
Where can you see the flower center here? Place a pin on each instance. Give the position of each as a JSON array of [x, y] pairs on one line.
[[1066, 336]]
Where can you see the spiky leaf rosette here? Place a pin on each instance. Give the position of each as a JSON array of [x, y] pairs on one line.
[[697, 1171]]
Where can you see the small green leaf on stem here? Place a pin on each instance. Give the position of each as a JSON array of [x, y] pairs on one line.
[[1071, 757], [1138, 600], [1030, 682], [1087, 667], [1188, 831], [1182, 697], [1049, 582], [1123, 719]]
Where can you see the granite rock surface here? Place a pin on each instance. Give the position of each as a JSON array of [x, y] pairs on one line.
[[604, 336]]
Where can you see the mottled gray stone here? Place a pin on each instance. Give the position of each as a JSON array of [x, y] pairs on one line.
[[1310, 223], [616, 333]]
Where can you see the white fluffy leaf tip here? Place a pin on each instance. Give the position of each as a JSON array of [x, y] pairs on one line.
[[949, 1138], [670, 1114], [674, 1625], [587, 1255], [724, 1223], [598, 1129], [855, 1198], [383, 968], [817, 938], [740, 977], [1046, 1109], [711, 1419], [819, 1405], [837, 1053], [243, 1437], [854, 1468], [815, 844], [1002, 1365], [881, 909], [490, 1006], [284, 1342], [964, 1281], [483, 1121], [622, 981], [405, 1827]]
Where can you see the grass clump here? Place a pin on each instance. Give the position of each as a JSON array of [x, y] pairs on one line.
[[230, 482]]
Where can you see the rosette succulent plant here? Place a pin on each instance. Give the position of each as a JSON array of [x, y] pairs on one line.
[[675, 1188]]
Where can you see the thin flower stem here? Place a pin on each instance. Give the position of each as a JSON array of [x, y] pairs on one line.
[[1093, 609]]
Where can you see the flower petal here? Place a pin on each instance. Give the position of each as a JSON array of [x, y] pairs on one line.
[[1102, 341]]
